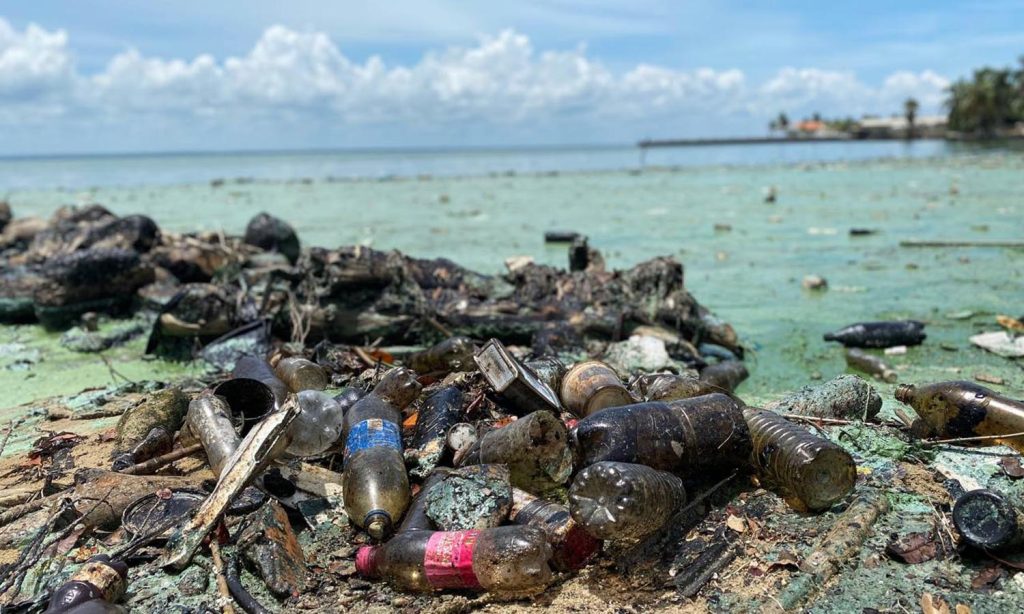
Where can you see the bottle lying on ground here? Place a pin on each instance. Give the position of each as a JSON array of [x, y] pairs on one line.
[[591, 386], [375, 483], [725, 376], [879, 334], [318, 426], [964, 409], [810, 472], [451, 355], [416, 518], [685, 436], [572, 546], [300, 374], [93, 589], [509, 561], [869, 363], [670, 387], [535, 448], [614, 500], [438, 414], [988, 520]]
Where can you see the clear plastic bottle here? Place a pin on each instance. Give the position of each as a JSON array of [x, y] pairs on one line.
[[591, 386], [669, 387], [375, 482], [509, 561], [300, 374], [317, 428], [95, 587], [623, 500], [810, 472], [964, 409], [535, 448], [451, 355], [571, 545], [879, 334], [724, 376], [687, 437]]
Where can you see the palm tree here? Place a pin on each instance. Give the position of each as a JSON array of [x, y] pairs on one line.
[[910, 107], [988, 103]]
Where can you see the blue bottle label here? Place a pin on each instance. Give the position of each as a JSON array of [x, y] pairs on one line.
[[373, 433]]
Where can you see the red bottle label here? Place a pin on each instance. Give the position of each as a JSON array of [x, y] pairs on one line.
[[448, 560]]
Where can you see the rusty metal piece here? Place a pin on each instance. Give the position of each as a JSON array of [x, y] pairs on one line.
[[259, 448], [513, 380], [275, 551], [592, 386]]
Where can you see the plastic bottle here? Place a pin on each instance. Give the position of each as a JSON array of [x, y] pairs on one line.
[[509, 561], [254, 367], [869, 363], [317, 428], [670, 387], [375, 483], [810, 472], [988, 520], [439, 412], [614, 500], [879, 334], [725, 376], [95, 587], [571, 545], [416, 518], [963, 409], [548, 370], [591, 386], [300, 374], [686, 436], [451, 355], [158, 441], [209, 421], [535, 448]]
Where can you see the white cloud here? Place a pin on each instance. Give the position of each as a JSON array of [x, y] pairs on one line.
[[501, 81]]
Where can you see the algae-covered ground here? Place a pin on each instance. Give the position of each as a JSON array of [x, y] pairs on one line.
[[748, 270]]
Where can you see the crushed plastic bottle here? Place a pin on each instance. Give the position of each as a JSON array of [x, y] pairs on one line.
[[94, 588], [317, 428], [510, 561], [451, 355], [686, 437], [810, 472], [613, 500], [963, 409], [571, 545], [535, 448], [879, 334], [300, 374], [725, 376], [988, 520], [591, 386], [375, 483]]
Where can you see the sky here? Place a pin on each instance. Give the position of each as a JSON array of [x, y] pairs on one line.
[[121, 76]]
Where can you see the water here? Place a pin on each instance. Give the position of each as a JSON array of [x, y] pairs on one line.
[[750, 275]]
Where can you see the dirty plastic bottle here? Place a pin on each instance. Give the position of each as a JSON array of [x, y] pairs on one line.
[[571, 545], [509, 561], [158, 441], [670, 387], [810, 472], [869, 363], [879, 334], [209, 420], [548, 370], [300, 374], [725, 376], [375, 483], [94, 588], [686, 436], [451, 355], [254, 367], [416, 518], [591, 386], [439, 412], [317, 428], [988, 520], [535, 448], [963, 409], [614, 500]]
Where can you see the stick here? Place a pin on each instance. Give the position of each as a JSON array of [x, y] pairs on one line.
[[936, 442], [837, 421], [222, 582], [439, 327], [939, 243], [144, 468]]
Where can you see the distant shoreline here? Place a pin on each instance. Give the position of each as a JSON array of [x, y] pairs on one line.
[[770, 140]]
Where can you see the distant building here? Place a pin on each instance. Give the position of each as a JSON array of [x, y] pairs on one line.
[[814, 129], [896, 127]]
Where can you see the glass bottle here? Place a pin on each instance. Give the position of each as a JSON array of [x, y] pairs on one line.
[[724, 376], [964, 409], [879, 334]]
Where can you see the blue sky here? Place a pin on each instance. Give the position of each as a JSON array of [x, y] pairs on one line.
[[118, 75]]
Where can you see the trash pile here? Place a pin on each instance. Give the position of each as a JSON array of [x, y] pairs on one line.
[[374, 425]]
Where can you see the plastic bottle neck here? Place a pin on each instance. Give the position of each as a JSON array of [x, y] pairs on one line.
[[905, 393], [367, 560]]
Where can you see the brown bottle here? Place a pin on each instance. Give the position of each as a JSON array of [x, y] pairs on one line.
[[686, 437], [572, 546], [535, 448], [438, 414], [451, 355], [507, 561], [624, 501], [963, 409], [869, 363], [416, 518], [724, 376], [99, 583], [810, 472], [591, 386], [375, 483], [300, 374]]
